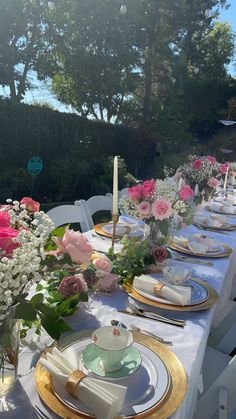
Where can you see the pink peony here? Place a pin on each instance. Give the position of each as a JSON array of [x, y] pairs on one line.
[[103, 263], [5, 219], [144, 209], [71, 285], [186, 193], [31, 205], [7, 234], [108, 282], [136, 193], [161, 209], [75, 245], [148, 188], [197, 164], [213, 182], [211, 159]]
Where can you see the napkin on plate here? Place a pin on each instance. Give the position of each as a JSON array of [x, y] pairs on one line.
[[174, 293], [193, 244], [121, 229], [229, 209], [105, 399]]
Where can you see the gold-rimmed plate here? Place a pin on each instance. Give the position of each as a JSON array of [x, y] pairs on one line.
[[162, 410], [224, 251], [208, 303], [105, 229], [223, 227], [220, 211]]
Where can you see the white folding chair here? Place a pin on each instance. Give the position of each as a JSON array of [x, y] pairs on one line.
[[66, 214], [223, 337], [94, 204], [218, 400]]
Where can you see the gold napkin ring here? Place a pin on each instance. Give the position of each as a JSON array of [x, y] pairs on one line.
[[74, 379], [158, 287]]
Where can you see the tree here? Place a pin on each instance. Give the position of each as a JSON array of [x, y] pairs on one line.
[[22, 42]]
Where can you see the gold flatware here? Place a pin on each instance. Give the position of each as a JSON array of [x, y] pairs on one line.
[[191, 260], [154, 316], [147, 332]]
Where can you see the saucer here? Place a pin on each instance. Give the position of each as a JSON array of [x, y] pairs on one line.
[[130, 363]]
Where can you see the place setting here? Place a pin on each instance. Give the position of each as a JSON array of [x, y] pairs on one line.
[[215, 222], [200, 245], [175, 289], [226, 207], [96, 375]]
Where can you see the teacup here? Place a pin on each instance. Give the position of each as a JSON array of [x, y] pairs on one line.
[[176, 275], [112, 344]]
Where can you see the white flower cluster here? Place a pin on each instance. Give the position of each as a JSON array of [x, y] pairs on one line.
[[199, 176], [166, 189], [24, 266]]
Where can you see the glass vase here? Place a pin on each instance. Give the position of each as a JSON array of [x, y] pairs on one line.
[[160, 233], [9, 350]]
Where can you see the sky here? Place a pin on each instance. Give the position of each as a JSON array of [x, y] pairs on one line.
[[41, 93]]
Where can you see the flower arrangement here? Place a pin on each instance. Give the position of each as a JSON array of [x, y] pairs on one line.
[[160, 203], [203, 174], [24, 230]]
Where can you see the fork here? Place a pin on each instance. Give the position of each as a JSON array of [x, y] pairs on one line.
[[147, 332]]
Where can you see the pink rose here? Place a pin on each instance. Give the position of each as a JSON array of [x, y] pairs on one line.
[[31, 205], [197, 164], [5, 219], [108, 282], [75, 245], [186, 193], [136, 193], [71, 285], [211, 159], [223, 169], [161, 209], [103, 263], [7, 234], [148, 188], [144, 209], [213, 182]]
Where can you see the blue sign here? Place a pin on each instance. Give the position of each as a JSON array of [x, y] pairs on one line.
[[35, 165]]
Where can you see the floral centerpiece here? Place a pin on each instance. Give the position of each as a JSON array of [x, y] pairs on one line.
[[203, 174], [162, 204]]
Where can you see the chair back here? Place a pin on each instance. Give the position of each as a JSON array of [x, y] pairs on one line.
[[66, 214], [94, 204], [219, 398]]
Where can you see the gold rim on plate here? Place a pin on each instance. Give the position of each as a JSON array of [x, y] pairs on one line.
[[218, 211], [228, 227], [99, 230], [227, 251], [162, 410], [212, 298]]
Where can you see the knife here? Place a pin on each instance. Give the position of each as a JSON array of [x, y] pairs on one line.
[[192, 260], [154, 316]]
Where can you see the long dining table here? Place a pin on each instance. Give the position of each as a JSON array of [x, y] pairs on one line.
[[189, 343]]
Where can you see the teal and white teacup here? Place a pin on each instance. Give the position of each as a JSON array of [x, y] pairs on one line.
[[112, 344]]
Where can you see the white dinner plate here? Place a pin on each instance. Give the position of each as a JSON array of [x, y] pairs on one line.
[[199, 293], [216, 250], [145, 388], [220, 210], [121, 229]]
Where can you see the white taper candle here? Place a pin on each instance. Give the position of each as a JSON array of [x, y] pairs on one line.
[[115, 186]]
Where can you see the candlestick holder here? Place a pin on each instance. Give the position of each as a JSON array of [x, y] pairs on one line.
[[115, 218]]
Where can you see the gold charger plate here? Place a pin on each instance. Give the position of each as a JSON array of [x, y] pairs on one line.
[[218, 211], [163, 410], [228, 227], [227, 251], [212, 298], [99, 230]]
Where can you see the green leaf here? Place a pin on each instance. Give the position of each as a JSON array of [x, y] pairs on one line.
[[51, 325], [64, 327], [36, 299], [25, 311]]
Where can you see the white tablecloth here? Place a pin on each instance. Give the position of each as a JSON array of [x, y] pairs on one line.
[[189, 343]]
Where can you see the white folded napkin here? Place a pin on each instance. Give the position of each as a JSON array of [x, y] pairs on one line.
[[228, 209], [197, 247], [121, 229], [174, 293], [180, 240], [105, 399]]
